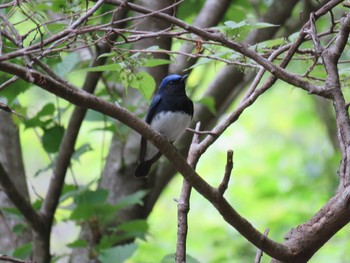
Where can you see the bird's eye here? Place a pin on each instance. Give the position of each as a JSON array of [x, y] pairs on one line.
[[171, 82]]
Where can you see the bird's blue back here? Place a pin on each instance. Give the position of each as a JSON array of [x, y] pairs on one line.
[[171, 96]]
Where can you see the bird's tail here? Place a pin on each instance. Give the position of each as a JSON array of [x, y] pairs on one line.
[[143, 168]]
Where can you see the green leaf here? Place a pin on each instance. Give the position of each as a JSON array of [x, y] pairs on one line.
[[12, 211], [248, 25], [103, 212], [117, 254], [48, 167], [124, 232], [241, 29], [23, 251], [19, 228], [47, 110], [78, 243], [201, 62], [52, 138], [106, 55], [42, 118], [139, 225], [133, 199], [80, 151], [37, 204], [108, 67], [68, 191], [131, 229], [145, 83], [109, 241], [235, 25], [14, 89], [67, 64], [89, 197], [209, 102], [155, 62], [272, 43]]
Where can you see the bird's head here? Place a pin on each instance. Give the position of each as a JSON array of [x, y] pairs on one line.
[[173, 85]]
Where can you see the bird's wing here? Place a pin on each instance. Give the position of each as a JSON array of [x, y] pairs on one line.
[[150, 114], [153, 108]]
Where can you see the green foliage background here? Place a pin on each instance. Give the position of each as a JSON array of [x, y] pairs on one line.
[[285, 170], [285, 166]]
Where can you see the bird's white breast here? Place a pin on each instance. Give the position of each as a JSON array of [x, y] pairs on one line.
[[171, 125]]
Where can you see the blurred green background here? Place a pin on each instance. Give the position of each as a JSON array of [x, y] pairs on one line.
[[285, 166]]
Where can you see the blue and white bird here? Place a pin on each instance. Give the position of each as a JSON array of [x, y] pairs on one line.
[[170, 114]]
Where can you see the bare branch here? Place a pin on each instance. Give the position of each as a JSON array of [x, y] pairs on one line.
[[330, 58], [201, 132], [210, 14], [183, 206], [6, 108], [259, 252], [9, 4], [33, 218], [53, 40], [228, 169], [86, 100], [277, 71], [66, 149], [8, 83], [313, 34], [14, 260]]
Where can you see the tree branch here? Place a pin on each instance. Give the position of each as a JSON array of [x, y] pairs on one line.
[[67, 145], [330, 58], [5, 258], [23, 205], [259, 253], [210, 14], [86, 100], [241, 48], [183, 206], [228, 169]]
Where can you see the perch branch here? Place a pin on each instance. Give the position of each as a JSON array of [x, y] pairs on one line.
[[277, 71], [201, 132], [259, 252], [86, 100], [5, 258], [33, 218], [183, 206], [228, 169], [66, 149]]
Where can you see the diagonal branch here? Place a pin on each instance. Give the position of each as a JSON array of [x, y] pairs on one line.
[[228, 169], [330, 58], [66, 149], [86, 100], [210, 15], [23, 205], [183, 206], [241, 48]]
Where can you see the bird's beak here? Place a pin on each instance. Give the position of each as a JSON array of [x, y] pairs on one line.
[[184, 77]]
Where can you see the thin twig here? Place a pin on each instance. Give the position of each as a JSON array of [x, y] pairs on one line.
[[14, 260], [34, 219], [183, 206], [259, 252], [6, 108], [202, 132], [9, 233], [8, 82], [12, 3], [228, 169], [86, 100]]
